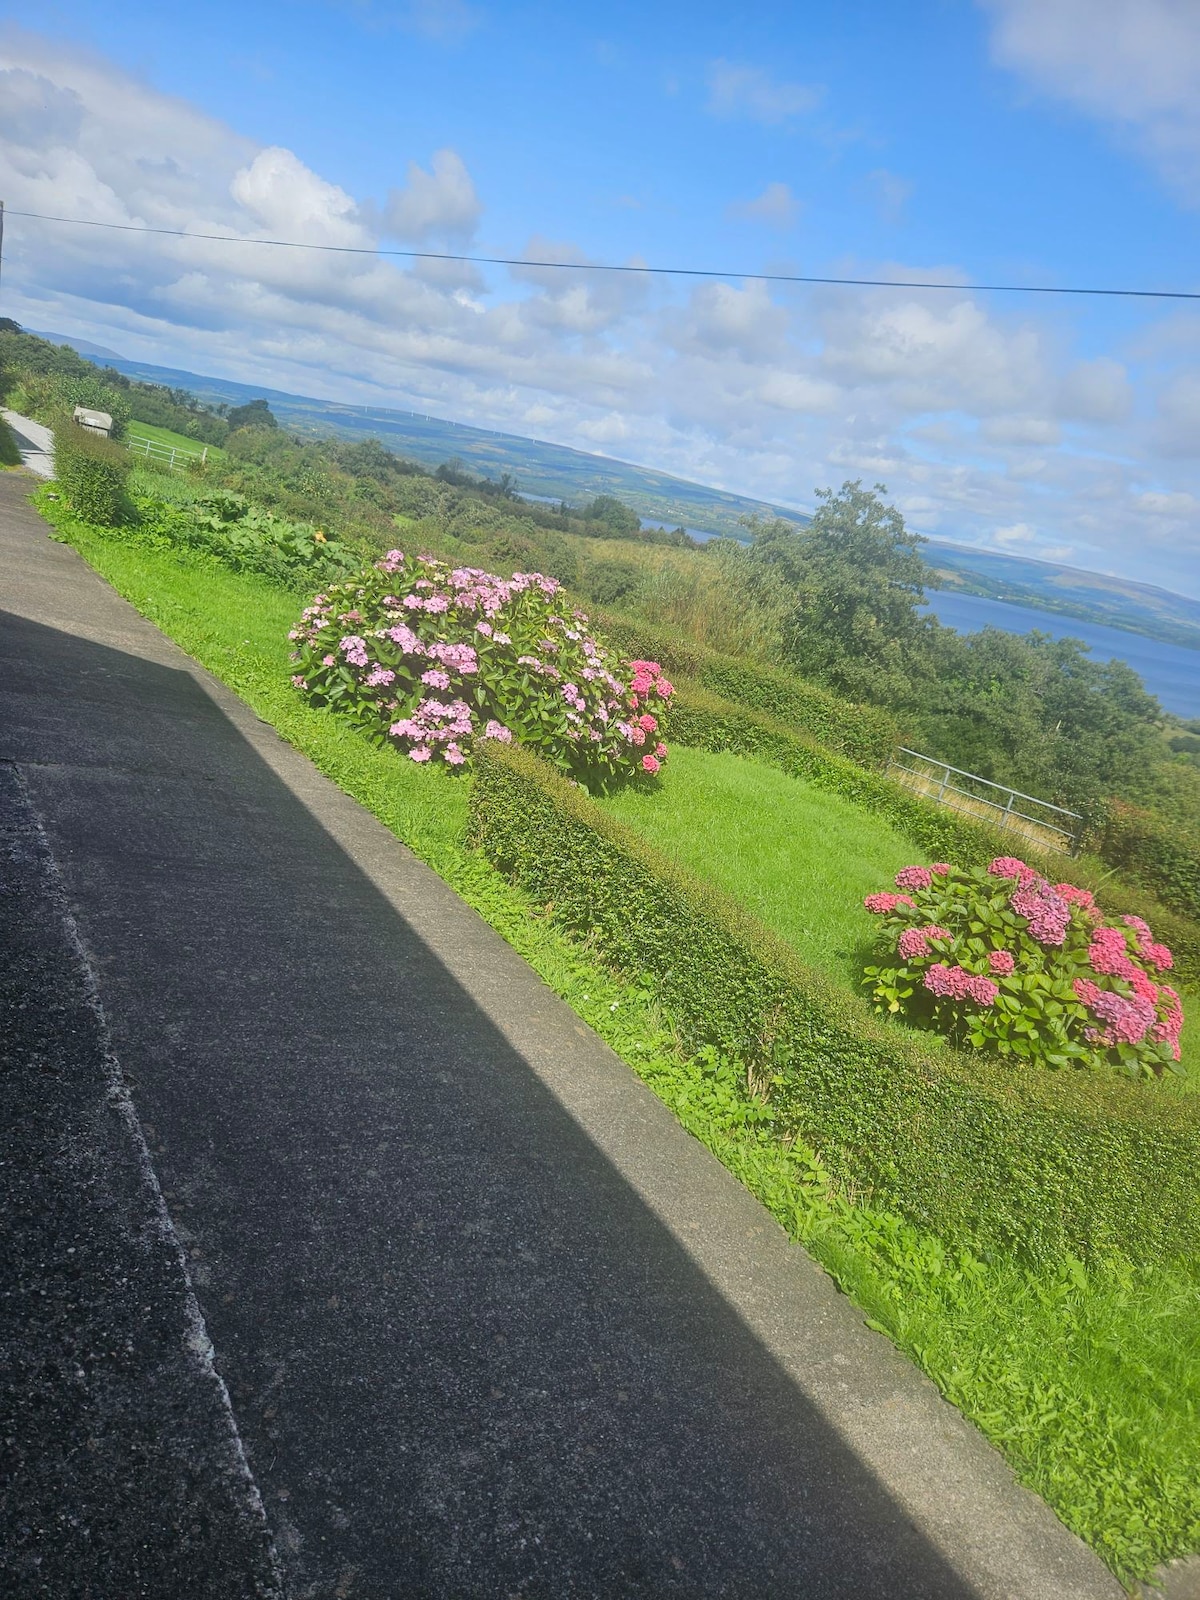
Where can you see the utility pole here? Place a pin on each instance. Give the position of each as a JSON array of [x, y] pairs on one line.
[[1, 236]]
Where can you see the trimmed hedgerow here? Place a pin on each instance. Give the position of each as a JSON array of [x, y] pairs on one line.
[[1161, 856], [864, 733], [704, 720], [1013, 1159], [92, 473]]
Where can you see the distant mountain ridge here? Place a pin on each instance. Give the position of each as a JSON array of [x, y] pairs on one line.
[[554, 471], [81, 347]]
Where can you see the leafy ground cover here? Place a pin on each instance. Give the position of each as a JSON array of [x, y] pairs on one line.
[[1088, 1381]]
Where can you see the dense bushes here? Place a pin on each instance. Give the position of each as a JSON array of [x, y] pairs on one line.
[[1014, 1159], [864, 733], [702, 719], [1161, 855], [46, 395], [999, 959], [433, 659], [231, 530], [92, 472]]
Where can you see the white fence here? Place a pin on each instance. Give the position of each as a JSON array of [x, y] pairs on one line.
[[172, 455], [1039, 821]]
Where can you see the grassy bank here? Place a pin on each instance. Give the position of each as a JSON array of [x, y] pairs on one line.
[[799, 858], [1089, 1382]]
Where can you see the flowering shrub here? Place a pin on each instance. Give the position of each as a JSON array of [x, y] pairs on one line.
[[429, 658], [1001, 959]]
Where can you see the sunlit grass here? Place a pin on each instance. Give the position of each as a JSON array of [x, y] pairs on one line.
[[165, 436], [799, 858]]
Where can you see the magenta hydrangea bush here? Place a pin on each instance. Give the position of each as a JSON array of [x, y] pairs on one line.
[[429, 658], [1001, 959]]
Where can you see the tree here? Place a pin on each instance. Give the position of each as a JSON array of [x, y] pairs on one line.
[[618, 519], [254, 414], [858, 581]]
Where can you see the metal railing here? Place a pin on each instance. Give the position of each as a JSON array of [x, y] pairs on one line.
[[1050, 825], [172, 454]]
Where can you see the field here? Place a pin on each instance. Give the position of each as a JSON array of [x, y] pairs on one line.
[[1088, 1381], [169, 441]]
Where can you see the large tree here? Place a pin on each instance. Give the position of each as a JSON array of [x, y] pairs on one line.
[[254, 414], [858, 579]]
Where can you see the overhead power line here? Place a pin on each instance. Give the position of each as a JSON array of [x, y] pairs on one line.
[[599, 266]]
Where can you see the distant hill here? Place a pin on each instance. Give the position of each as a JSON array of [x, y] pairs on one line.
[[80, 346], [1068, 591], [555, 472]]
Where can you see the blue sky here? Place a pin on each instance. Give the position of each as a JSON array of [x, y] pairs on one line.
[[1053, 141]]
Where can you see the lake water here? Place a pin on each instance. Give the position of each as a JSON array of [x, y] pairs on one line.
[[1168, 670]]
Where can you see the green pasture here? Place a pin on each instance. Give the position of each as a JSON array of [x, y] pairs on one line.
[[800, 858], [164, 436]]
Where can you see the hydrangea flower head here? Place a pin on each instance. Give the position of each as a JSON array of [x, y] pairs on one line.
[[913, 878]]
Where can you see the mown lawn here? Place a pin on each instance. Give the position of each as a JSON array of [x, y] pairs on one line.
[[799, 858], [1088, 1381]]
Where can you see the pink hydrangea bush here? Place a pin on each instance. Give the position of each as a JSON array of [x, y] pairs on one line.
[[429, 658], [1001, 959]]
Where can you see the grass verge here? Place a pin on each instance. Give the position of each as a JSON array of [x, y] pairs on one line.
[[1089, 1382]]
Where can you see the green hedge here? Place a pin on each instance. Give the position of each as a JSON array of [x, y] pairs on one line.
[[1024, 1161], [864, 733], [703, 719], [92, 473], [1158, 854]]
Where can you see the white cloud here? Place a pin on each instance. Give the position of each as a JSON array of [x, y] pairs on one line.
[[979, 416], [742, 91], [1132, 63], [441, 203], [1177, 426], [292, 202], [776, 206], [1022, 430], [1095, 391]]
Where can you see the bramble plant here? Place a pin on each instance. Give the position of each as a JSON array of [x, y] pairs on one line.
[[1000, 959], [428, 658]]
